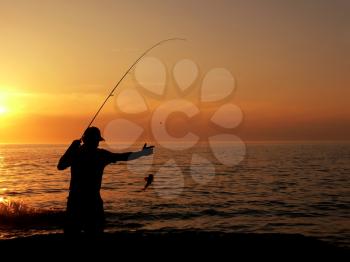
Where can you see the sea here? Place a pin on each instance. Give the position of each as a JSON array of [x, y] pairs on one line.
[[287, 188]]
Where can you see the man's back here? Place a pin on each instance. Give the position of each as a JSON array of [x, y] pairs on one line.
[[87, 170]]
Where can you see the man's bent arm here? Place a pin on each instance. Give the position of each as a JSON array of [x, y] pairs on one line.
[[66, 159]]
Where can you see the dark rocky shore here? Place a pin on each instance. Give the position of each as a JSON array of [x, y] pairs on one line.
[[149, 243]]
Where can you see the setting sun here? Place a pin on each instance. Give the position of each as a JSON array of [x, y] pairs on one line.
[[3, 110]]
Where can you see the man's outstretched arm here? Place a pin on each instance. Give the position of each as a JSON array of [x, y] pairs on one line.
[[66, 159], [145, 151]]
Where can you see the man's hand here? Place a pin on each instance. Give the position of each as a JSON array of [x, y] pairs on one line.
[[147, 150], [76, 143]]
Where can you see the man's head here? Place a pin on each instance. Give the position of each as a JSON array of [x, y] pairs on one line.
[[92, 137]]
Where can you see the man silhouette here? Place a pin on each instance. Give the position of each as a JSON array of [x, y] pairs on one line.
[[87, 161]]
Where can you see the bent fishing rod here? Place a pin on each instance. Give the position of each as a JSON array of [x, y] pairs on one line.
[[130, 68]]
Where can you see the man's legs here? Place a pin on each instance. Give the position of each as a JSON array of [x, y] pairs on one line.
[[73, 218]]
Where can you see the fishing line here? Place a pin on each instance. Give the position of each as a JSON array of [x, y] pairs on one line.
[[130, 68]]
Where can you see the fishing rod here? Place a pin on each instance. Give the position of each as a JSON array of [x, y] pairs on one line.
[[130, 68]]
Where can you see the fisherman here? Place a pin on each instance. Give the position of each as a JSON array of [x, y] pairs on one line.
[[85, 206]]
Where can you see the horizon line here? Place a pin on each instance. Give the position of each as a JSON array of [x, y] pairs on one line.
[[245, 141]]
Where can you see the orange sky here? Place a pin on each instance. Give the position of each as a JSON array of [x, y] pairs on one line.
[[290, 60]]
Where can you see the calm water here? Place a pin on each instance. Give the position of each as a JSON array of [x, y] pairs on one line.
[[284, 188]]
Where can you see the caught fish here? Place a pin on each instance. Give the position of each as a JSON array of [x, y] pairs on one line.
[[149, 179]]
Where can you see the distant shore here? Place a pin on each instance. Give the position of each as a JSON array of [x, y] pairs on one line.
[[295, 245]]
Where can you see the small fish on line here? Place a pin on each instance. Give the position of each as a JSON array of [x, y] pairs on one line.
[[149, 179]]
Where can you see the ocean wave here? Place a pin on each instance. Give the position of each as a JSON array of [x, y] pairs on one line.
[[18, 215]]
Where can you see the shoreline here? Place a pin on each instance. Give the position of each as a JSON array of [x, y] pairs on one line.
[[189, 241]]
